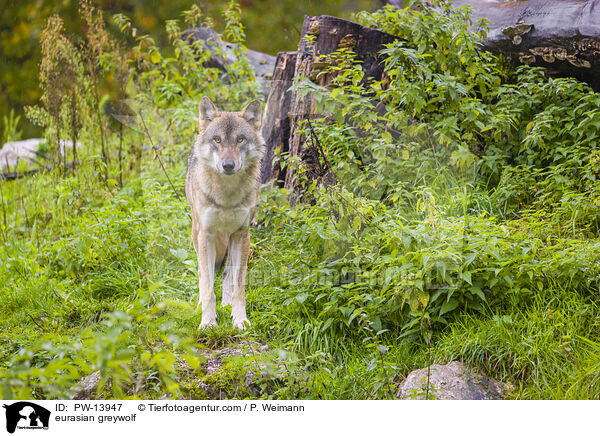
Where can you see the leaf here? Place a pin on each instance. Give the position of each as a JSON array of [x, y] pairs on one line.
[[466, 276], [529, 127], [382, 349], [155, 57], [469, 258], [326, 324], [301, 298], [354, 315], [476, 290], [356, 222], [437, 294], [376, 323], [441, 266], [448, 306]]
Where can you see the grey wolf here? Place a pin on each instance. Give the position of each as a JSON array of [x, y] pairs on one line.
[[222, 186]]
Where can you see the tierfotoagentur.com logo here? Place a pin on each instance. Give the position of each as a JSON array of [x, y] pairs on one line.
[[26, 415]]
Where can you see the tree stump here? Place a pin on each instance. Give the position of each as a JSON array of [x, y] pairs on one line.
[[276, 119], [321, 35]]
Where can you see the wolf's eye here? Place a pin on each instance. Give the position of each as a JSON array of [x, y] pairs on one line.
[[240, 139], [217, 139]]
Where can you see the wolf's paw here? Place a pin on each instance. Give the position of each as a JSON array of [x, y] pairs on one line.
[[241, 324], [207, 324]]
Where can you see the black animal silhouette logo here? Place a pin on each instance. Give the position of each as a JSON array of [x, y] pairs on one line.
[[26, 415]]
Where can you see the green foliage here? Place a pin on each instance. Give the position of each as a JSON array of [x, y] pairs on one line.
[[87, 259], [131, 362], [454, 216], [545, 341], [454, 185], [11, 131]]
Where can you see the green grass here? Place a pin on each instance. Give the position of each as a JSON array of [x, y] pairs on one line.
[[78, 294], [541, 349]]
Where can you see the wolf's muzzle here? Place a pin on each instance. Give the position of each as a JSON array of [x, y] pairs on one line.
[[228, 166]]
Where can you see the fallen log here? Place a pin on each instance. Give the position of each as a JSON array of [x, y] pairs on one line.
[[562, 36], [13, 175]]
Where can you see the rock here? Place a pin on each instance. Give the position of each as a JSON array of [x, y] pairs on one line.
[[210, 41], [86, 387], [12, 152], [28, 151], [453, 381], [263, 65], [223, 55]]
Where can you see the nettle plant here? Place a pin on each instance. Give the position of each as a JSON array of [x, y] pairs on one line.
[[513, 124], [64, 89], [442, 171]]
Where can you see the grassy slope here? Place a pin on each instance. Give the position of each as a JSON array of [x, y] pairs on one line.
[[108, 280]]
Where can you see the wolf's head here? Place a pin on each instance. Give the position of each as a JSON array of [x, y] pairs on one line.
[[229, 141]]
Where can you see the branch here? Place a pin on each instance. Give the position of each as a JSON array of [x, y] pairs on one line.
[[13, 175]]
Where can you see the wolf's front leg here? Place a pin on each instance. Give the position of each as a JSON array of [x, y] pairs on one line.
[[227, 280], [206, 272], [239, 247]]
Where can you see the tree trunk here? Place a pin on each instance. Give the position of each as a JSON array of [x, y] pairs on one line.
[[562, 36], [276, 119], [285, 111]]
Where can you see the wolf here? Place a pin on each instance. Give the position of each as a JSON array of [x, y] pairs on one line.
[[222, 186]]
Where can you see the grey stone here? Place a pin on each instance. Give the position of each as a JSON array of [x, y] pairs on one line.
[[27, 151], [454, 381]]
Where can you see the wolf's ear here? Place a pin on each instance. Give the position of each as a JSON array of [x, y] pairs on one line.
[[251, 113], [207, 111]]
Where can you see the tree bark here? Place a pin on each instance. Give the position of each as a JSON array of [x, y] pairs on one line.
[[276, 119]]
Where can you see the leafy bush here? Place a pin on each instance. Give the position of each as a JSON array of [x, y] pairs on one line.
[[461, 185]]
